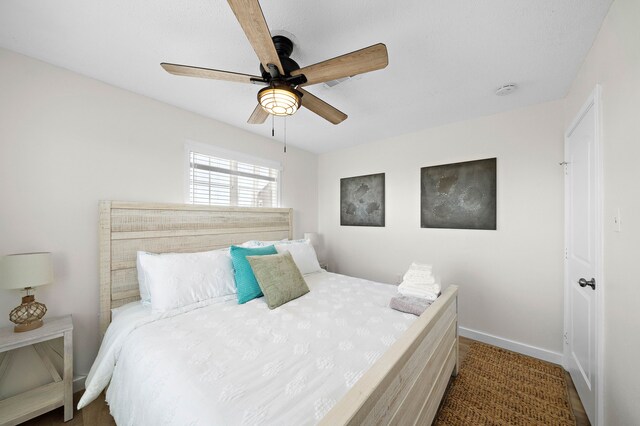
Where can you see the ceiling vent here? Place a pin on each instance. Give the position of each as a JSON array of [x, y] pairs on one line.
[[334, 83]]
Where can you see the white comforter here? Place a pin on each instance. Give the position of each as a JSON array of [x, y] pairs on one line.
[[220, 363]]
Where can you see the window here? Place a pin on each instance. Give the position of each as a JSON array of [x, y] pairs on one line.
[[225, 178]]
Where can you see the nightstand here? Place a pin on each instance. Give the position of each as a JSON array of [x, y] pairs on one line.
[[27, 405]]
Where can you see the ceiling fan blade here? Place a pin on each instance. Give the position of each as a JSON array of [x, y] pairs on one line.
[[189, 71], [249, 15], [359, 62], [258, 116], [322, 108]]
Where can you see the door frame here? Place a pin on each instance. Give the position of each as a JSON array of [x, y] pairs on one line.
[[593, 101]]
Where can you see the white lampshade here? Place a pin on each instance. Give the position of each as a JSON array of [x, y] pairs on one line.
[[19, 271], [313, 238]]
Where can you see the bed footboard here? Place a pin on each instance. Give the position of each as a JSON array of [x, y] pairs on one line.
[[405, 386]]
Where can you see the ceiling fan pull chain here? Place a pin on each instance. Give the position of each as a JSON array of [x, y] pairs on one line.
[[273, 131], [285, 134]]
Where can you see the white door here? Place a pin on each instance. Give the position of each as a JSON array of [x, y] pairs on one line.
[[583, 254]]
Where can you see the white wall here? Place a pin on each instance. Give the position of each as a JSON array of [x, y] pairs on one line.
[[67, 141], [614, 63], [510, 279]]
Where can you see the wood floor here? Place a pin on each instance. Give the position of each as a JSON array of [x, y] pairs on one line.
[[97, 413]]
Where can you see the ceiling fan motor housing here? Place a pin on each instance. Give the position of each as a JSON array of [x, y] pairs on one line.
[[284, 47]]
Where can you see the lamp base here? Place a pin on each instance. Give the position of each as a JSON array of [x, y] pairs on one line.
[[28, 326], [27, 316]]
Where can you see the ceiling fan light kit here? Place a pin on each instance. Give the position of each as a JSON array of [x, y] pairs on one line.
[[283, 76], [279, 100]]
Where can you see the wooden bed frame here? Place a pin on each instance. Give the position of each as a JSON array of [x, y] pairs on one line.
[[404, 386]]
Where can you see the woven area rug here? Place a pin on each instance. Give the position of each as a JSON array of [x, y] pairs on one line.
[[499, 387]]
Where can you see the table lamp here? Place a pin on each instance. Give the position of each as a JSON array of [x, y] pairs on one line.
[[25, 271]]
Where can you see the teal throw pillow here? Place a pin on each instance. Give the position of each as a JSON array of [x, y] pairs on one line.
[[246, 284]]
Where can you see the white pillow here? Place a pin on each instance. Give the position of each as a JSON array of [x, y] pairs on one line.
[[257, 243], [302, 240], [303, 255], [145, 295], [174, 280]]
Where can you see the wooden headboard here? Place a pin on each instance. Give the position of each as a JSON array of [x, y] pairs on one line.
[[126, 227]]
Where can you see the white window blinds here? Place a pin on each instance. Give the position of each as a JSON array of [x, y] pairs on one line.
[[225, 182]]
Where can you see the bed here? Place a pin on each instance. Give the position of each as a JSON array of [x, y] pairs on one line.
[[408, 359]]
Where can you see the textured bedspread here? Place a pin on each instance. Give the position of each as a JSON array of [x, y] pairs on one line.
[[229, 364]]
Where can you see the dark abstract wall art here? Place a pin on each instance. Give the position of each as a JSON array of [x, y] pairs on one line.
[[362, 200], [459, 195]]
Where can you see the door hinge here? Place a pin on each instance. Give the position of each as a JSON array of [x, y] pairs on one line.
[[566, 339], [566, 253]]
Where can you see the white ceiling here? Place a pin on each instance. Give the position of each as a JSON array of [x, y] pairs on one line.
[[446, 57]]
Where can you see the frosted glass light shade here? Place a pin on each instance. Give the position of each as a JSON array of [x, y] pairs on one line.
[[19, 271], [279, 100]]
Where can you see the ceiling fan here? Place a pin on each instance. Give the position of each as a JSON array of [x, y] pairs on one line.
[[281, 75]]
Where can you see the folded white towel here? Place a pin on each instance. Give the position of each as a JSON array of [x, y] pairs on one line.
[[420, 281], [420, 267], [418, 293], [433, 288], [418, 276]]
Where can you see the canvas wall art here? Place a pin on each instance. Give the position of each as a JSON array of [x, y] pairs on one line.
[[459, 195], [362, 200]]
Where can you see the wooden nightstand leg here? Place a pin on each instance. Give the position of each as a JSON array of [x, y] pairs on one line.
[[5, 361], [42, 350], [68, 375]]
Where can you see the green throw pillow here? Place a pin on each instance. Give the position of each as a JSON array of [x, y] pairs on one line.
[[246, 283], [278, 277]]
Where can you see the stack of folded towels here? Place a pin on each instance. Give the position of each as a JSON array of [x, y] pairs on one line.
[[420, 282], [418, 290]]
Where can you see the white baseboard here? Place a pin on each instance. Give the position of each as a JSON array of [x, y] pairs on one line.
[[78, 383], [511, 345]]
